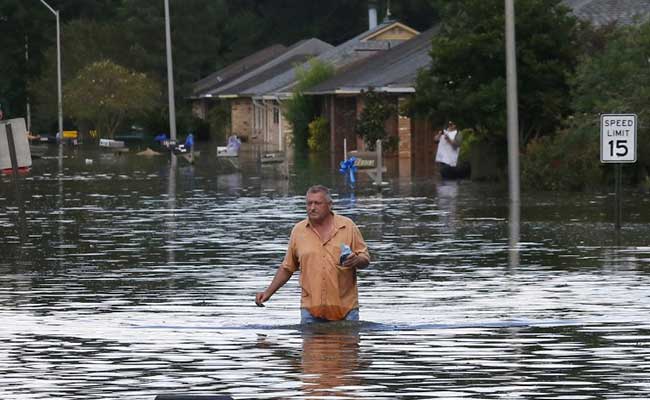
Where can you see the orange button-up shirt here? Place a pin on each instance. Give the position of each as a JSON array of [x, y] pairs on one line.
[[329, 291]]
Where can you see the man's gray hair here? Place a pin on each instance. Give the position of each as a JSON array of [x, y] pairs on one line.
[[321, 189]]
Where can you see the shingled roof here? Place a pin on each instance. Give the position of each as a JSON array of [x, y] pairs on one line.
[[393, 70], [603, 12], [295, 54], [345, 54], [236, 69], [247, 88]]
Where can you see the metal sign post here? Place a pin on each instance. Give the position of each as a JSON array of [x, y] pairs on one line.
[[12, 150], [618, 146]]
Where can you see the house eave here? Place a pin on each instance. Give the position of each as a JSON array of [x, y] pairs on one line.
[[352, 91]]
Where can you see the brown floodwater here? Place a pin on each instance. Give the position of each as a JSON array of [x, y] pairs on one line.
[[129, 277]]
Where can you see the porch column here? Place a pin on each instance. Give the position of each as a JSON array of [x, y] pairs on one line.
[[404, 132]]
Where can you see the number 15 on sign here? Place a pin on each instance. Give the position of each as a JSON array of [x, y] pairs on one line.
[[618, 138]]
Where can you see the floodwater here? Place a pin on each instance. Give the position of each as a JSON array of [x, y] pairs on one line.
[[128, 277]]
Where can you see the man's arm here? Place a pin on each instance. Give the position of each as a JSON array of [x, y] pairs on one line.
[[289, 265], [281, 277], [458, 139]]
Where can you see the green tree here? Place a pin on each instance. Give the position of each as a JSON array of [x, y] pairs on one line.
[[197, 35], [26, 30], [85, 42], [301, 109], [466, 81], [371, 123], [617, 80], [106, 95]]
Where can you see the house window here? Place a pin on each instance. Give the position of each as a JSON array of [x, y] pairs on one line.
[[276, 116]]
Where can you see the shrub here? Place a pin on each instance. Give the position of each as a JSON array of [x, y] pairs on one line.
[[370, 124], [318, 134], [569, 160], [300, 109]]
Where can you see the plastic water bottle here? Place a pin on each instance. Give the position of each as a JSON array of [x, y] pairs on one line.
[[345, 252]]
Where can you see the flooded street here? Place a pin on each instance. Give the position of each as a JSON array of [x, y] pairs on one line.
[[126, 277]]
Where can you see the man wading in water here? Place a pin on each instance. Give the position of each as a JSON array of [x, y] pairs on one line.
[[328, 249]]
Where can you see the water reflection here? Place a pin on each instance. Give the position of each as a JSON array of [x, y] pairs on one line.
[[447, 196], [330, 360], [514, 230], [170, 224]]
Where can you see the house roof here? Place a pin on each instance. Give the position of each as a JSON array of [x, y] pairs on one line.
[[603, 12], [296, 54], [246, 88], [394, 70], [359, 47], [236, 69]]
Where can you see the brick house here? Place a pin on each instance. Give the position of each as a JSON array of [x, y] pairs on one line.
[[202, 98], [270, 62], [392, 72], [256, 86], [270, 94]]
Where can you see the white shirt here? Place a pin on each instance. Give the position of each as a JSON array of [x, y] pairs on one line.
[[446, 152]]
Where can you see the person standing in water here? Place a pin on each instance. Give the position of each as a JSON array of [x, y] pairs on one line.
[[449, 141], [328, 249]]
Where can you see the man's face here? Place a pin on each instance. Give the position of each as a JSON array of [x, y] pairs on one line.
[[318, 208]]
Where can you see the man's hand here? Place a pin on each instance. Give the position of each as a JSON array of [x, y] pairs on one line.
[[355, 261], [261, 297], [281, 277]]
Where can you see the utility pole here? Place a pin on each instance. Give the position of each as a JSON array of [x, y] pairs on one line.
[[170, 77], [513, 102], [58, 74], [513, 133]]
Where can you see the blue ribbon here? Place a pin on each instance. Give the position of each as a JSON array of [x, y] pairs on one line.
[[349, 169]]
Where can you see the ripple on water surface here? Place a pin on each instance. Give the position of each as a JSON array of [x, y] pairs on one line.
[[118, 281]]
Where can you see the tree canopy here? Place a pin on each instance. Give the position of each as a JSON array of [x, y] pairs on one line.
[[466, 81], [106, 95], [371, 124], [617, 80]]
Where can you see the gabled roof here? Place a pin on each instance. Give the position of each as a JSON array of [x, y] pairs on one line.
[[295, 54], [603, 12], [236, 69], [394, 70], [360, 47], [390, 30]]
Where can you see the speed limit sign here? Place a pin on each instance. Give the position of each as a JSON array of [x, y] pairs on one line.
[[618, 138]]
